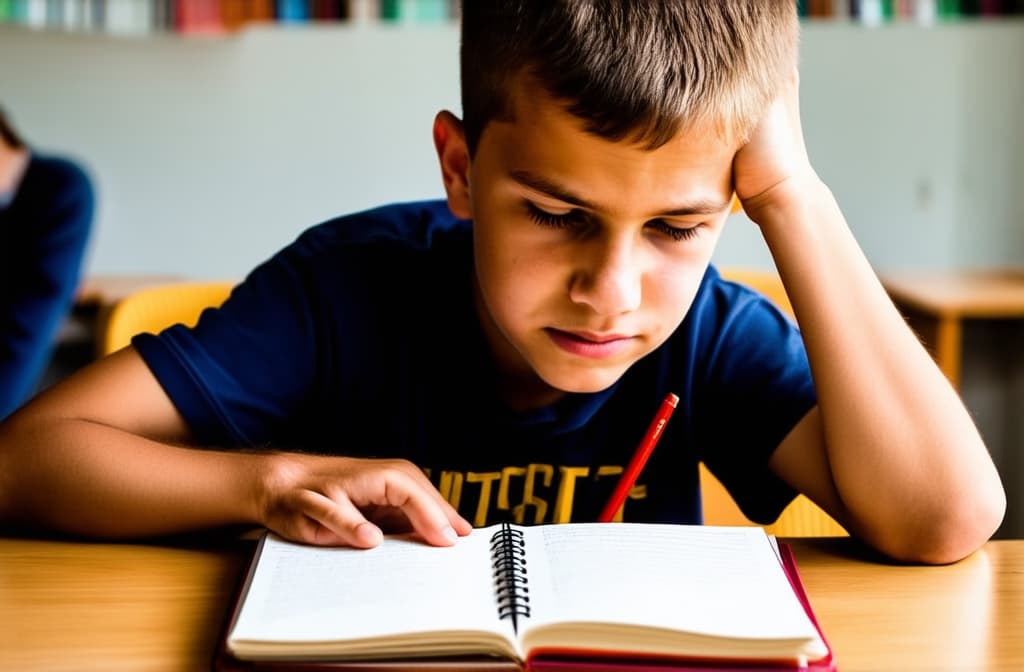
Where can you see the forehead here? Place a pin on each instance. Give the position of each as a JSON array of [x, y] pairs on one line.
[[541, 137]]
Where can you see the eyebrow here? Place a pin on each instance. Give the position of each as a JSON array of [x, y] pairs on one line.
[[557, 191]]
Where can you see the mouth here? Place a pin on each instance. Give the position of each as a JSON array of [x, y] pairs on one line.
[[589, 345]]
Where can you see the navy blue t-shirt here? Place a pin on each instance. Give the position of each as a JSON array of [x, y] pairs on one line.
[[361, 339]]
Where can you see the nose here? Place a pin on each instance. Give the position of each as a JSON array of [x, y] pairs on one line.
[[609, 277]]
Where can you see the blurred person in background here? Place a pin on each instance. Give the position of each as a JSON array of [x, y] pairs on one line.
[[46, 215]]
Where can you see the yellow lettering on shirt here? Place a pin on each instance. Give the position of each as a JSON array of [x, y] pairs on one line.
[[533, 493], [530, 498], [485, 479], [507, 473], [451, 487], [566, 492]]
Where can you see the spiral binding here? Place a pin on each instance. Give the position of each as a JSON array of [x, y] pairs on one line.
[[508, 560]]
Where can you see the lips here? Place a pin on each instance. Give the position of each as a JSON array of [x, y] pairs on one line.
[[589, 345]]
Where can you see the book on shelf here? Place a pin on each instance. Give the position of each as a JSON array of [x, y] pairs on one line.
[[548, 597]]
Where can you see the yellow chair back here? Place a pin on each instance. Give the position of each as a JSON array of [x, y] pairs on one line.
[[802, 518], [154, 308]]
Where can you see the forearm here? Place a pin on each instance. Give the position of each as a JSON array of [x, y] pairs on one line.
[[91, 479], [906, 458]]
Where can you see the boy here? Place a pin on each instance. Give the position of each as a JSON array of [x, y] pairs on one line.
[[508, 348]]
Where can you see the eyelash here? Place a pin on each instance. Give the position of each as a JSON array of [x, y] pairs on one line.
[[577, 218]]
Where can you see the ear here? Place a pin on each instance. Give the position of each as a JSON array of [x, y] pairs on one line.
[[453, 154]]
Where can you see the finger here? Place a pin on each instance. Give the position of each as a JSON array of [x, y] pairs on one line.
[[394, 487], [461, 526], [341, 518]]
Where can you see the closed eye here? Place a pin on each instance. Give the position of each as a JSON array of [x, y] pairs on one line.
[[573, 218], [577, 218], [673, 232]]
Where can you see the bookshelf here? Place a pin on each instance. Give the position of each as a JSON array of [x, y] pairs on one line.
[[923, 12], [216, 17]]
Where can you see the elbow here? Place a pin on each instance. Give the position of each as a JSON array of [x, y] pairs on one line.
[[950, 533]]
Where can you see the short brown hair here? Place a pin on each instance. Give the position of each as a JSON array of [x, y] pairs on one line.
[[642, 70], [8, 134]]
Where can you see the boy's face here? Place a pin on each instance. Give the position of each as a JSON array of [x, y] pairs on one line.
[[588, 252]]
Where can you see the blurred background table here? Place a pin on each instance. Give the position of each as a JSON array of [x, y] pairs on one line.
[[936, 304]]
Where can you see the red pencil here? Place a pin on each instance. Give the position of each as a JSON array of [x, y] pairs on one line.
[[636, 464]]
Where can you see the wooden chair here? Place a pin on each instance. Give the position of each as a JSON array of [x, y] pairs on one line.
[[802, 518], [153, 308]]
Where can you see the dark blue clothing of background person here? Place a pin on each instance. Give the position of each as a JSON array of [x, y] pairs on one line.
[[45, 222], [360, 339]]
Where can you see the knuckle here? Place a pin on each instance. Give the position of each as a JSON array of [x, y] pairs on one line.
[[397, 477], [400, 465]]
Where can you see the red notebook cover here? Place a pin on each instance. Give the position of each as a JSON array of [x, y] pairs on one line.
[[225, 662]]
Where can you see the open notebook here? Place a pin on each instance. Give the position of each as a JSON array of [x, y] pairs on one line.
[[575, 596]]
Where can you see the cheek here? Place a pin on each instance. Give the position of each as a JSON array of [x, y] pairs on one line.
[[516, 269], [672, 286], [493, 270], [670, 293]]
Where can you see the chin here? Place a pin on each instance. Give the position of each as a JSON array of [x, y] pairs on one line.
[[581, 380]]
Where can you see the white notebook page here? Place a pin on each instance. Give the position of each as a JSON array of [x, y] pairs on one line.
[[304, 593], [724, 581]]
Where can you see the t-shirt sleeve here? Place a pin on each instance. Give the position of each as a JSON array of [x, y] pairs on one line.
[[756, 387], [241, 374], [307, 331]]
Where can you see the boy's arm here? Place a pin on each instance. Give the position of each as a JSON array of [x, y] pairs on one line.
[[102, 454], [890, 451]]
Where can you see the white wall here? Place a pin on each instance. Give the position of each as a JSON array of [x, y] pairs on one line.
[[212, 152]]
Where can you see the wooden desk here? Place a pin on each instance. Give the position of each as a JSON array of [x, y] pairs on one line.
[[88, 606], [936, 304]]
